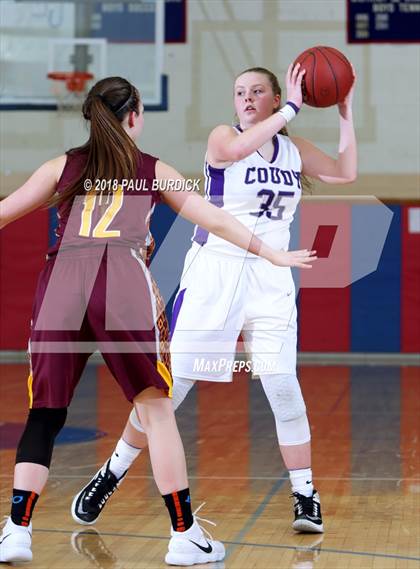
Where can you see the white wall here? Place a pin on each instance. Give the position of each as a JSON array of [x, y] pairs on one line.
[[226, 36]]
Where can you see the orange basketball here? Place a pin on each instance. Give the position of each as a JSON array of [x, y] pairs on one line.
[[328, 77]]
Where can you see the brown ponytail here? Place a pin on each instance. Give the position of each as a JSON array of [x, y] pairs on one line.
[[306, 182], [111, 153]]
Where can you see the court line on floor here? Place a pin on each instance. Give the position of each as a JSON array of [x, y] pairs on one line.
[[254, 517], [321, 549]]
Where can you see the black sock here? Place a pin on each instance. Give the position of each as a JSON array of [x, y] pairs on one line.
[[179, 507], [23, 504]]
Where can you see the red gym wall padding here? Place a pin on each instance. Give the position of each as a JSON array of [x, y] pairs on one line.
[[329, 319], [23, 245], [324, 313], [410, 281]]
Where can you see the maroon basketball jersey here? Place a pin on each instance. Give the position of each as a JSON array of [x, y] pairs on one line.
[[107, 213]]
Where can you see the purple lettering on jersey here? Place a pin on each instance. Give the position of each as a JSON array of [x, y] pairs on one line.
[[247, 175], [272, 210], [275, 177], [297, 176], [287, 177], [262, 175]]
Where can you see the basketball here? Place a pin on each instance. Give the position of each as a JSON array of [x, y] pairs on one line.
[[328, 77]]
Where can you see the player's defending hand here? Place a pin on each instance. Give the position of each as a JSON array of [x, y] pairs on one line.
[[294, 77], [300, 258]]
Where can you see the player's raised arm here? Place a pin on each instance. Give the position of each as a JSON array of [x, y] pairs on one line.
[[321, 166], [217, 221], [226, 146], [36, 191]]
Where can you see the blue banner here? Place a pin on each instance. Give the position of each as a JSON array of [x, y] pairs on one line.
[[387, 21], [134, 22]]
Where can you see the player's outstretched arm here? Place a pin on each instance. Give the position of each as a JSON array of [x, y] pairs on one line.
[[34, 192], [197, 210], [226, 146], [318, 165]]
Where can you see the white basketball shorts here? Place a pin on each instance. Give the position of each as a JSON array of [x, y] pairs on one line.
[[221, 296]]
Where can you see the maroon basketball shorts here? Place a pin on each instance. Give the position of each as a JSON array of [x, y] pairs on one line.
[[88, 300]]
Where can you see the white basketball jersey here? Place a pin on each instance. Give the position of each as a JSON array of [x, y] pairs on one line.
[[262, 195]]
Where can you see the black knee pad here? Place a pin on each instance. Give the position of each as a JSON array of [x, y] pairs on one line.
[[37, 441]]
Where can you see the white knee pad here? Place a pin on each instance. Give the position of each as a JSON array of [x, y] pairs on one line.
[[285, 397], [180, 390], [134, 420], [294, 432]]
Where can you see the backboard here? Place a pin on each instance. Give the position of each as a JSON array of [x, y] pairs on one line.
[[102, 38]]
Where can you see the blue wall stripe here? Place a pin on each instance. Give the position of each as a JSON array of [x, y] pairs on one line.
[[375, 299], [172, 234], [52, 224]]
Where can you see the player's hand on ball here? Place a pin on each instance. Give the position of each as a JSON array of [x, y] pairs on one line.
[[345, 106], [301, 258], [294, 77]]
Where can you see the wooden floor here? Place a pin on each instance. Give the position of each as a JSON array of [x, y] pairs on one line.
[[365, 460]]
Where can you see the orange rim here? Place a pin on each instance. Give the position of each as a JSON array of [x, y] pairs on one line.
[[75, 80]]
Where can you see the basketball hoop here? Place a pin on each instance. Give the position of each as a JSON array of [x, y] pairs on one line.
[[75, 80], [69, 88]]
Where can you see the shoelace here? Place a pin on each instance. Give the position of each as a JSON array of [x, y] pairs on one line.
[[110, 488], [305, 504], [203, 529]]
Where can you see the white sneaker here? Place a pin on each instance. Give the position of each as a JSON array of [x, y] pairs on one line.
[[15, 542], [192, 546]]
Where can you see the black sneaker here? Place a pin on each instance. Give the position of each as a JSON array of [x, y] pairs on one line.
[[307, 513], [88, 503]]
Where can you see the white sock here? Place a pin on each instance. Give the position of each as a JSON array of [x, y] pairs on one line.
[[123, 457], [301, 481]]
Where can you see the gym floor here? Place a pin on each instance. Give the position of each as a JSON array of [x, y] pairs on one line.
[[365, 432]]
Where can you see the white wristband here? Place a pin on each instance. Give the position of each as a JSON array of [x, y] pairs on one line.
[[288, 112]]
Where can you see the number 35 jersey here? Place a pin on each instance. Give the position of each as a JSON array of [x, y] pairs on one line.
[[262, 195]]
